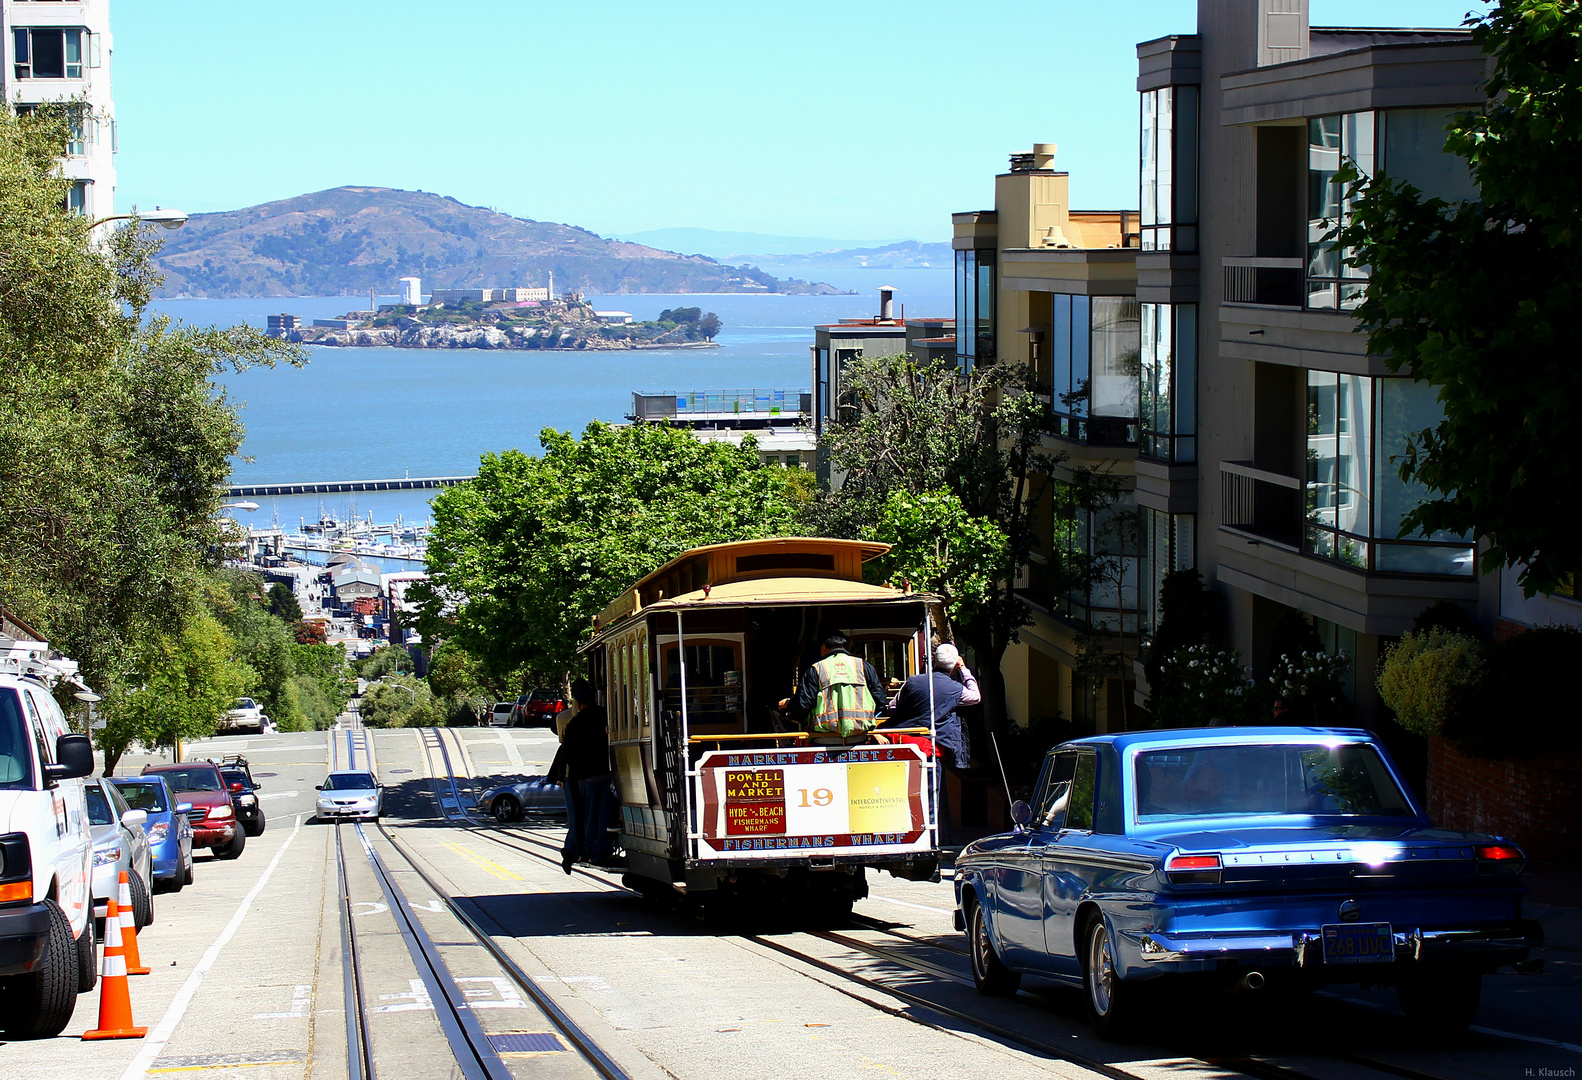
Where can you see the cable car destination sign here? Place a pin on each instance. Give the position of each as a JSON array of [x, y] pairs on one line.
[[823, 800]]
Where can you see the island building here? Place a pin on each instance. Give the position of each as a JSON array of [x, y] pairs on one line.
[[412, 291], [488, 296], [614, 318], [277, 325], [778, 420], [1203, 350], [61, 52]]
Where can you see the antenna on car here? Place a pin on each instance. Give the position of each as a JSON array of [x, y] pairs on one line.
[[998, 760]]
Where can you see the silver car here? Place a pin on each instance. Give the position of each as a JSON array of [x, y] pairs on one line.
[[348, 794], [535, 795], [119, 843]]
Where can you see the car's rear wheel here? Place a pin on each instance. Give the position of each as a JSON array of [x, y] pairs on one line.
[[234, 849], [87, 959], [989, 973], [1441, 1001], [1110, 1000], [507, 808], [39, 1004], [142, 903]]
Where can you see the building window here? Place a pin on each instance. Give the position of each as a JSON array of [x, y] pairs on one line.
[[1105, 545], [1094, 365], [46, 53], [1331, 142], [1168, 544], [1168, 168], [825, 408], [975, 309], [77, 197], [1355, 499], [1168, 368]]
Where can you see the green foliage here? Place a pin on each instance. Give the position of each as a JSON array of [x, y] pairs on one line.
[[385, 660], [1200, 685], [1479, 300], [116, 442], [1525, 701], [938, 547], [283, 603], [680, 315], [324, 668], [523, 557], [1423, 674], [1311, 684], [301, 687], [385, 705], [189, 681]]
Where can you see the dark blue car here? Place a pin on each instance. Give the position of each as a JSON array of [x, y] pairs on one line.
[[169, 832], [1244, 856]]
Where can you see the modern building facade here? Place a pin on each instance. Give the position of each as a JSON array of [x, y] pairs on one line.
[[57, 50], [1202, 352], [778, 420]]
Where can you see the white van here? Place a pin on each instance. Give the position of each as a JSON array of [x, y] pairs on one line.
[[47, 948]]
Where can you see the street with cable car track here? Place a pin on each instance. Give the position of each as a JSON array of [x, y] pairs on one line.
[[440, 942]]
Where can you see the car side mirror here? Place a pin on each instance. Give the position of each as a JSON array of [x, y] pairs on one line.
[[318, 787], [183, 807], [134, 817], [73, 758], [1021, 814], [258, 787]]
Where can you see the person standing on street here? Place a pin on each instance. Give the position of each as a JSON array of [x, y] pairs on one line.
[[582, 765]]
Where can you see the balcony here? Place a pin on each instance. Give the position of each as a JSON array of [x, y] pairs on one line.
[[1264, 282], [1261, 504]]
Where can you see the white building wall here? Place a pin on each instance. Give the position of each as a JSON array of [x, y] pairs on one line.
[[95, 165]]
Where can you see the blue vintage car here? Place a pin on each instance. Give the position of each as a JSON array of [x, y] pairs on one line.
[[1248, 856]]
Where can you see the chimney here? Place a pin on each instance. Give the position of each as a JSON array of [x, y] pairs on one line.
[[886, 303]]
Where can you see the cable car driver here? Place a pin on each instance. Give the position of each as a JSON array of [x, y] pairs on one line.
[[840, 694]]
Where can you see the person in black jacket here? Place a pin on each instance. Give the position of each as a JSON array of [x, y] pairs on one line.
[[582, 764]]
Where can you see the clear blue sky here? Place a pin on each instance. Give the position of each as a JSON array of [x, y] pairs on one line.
[[853, 119]]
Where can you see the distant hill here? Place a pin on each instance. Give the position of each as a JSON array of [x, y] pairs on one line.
[[908, 254], [347, 240], [727, 246]]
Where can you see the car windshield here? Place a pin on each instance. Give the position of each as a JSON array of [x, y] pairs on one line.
[[351, 781], [244, 703], [144, 796], [16, 761], [234, 776], [542, 695], [206, 778], [99, 812], [1343, 780]]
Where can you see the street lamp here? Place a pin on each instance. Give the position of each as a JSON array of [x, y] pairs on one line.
[[400, 686], [170, 219]]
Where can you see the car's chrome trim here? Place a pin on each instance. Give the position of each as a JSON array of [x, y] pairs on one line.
[[1301, 946]]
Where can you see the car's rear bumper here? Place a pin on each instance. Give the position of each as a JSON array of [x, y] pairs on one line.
[[348, 813], [23, 933], [1482, 947]]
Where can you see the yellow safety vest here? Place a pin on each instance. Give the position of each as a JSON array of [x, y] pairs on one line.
[[844, 705]]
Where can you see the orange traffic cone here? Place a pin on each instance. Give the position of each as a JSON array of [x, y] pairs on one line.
[[134, 960], [115, 1001]]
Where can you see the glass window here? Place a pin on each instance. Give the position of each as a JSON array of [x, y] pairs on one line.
[[1060, 352], [46, 53], [1084, 790], [99, 812], [1332, 141], [975, 308], [1055, 794], [1412, 148], [1168, 545], [198, 778], [986, 346], [1167, 369], [143, 795], [16, 758], [1349, 780], [1339, 466], [1405, 408], [1094, 368], [1115, 356], [1167, 163]]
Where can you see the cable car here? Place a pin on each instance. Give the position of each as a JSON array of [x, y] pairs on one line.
[[721, 795]]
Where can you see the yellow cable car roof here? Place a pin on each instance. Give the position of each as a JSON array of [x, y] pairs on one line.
[[868, 549]]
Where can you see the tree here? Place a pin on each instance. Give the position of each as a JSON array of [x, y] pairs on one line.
[[283, 603], [936, 546], [188, 683], [709, 326], [114, 442], [921, 429], [1478, 299], [524, 556]]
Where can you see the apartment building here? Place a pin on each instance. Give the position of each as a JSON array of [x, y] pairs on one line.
[[59, 50], [1205, 352]]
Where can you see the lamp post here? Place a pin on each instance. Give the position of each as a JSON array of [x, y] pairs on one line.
[[170, 219]]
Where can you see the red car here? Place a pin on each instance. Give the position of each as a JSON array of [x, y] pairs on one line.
[[213, 818], [537, 709]]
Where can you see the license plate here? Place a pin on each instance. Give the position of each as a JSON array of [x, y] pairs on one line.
[[1358, 943]]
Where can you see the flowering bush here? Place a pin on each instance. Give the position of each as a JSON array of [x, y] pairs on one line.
[[1311, 685], [1424, 673], [1201, 684]]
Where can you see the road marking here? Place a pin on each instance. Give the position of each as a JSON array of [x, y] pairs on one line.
[[1573, 1047], [279, 795], [374, 907], [197, 1062], [505, 997], [512, 752], [300, 996], [179, 1004], [908, 903], [416, 999], [429, 905], [493, 867]]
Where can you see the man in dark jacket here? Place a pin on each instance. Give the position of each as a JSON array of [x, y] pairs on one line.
[[954, 688], [582, 764]]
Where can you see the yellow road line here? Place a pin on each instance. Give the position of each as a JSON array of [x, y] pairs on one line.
[[227, 1065], [492, 867]]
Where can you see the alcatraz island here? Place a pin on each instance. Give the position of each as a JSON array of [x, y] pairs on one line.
[[510, 318]]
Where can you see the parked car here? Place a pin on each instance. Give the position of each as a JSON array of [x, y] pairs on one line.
[[246, 714], [508, 802], [119, 843], [238, 777], [1248, 856], [168, 830], [349, 794], [47, 951], [538, 709], [213, 818], [500, 715]]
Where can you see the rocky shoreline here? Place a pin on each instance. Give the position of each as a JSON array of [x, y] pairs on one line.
[[566, 338]]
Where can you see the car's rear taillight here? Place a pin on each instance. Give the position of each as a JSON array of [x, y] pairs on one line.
[[1500, 859], [1193, 869]]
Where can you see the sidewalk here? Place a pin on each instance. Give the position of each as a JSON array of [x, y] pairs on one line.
[[1554, 898]]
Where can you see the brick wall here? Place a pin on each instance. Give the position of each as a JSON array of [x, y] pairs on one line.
[[1535, 801]]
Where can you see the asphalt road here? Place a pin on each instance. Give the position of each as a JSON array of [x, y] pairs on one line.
[[248, 975]]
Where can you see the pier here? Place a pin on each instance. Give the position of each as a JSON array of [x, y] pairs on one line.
[[325, 487]]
